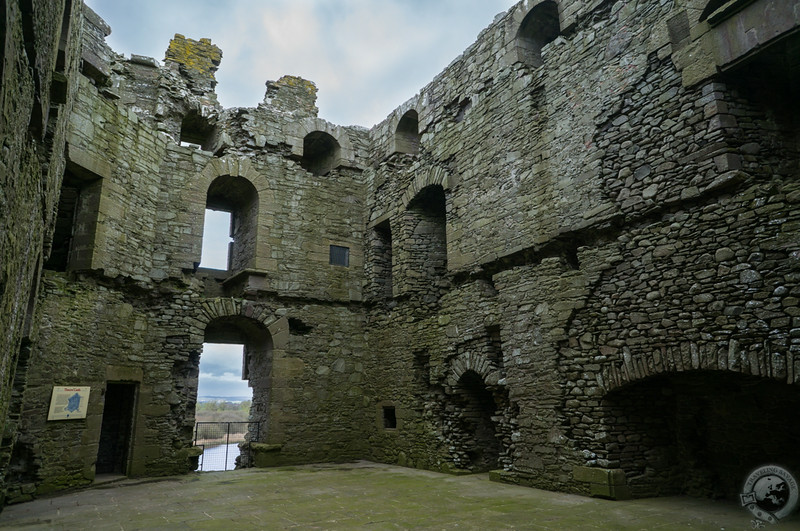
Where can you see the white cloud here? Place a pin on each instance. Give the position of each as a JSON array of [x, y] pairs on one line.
[[365, 56], [221, 371], [226, 377], [221, 354]]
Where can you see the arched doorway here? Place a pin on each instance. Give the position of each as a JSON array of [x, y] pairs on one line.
[[474, 423], [256, 342]]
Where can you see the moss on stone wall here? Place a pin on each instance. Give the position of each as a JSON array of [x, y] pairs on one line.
[[531, 260]]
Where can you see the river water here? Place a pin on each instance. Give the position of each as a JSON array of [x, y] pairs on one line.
[[213, 459]]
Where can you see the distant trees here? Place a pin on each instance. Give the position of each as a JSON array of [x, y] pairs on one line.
[[222, 411], [211, 435]]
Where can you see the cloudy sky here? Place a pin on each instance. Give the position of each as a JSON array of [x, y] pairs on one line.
[[221, 372], [366, 56]]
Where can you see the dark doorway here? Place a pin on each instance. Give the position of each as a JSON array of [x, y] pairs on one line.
[[476, 431], [115, 433]]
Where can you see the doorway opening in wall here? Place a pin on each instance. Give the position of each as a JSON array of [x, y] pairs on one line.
[[116, 429], [217, 240], [222, 412], [476, 431]]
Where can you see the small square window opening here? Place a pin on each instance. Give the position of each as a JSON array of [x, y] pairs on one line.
[[340, 256], [389, 418]]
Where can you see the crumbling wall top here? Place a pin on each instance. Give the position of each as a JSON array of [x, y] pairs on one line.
[[294, 94], [197, 60]]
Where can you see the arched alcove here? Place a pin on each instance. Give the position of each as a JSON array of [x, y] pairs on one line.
[[424, 241], [321, 153], [699, 433], [476, 409], [406, 136], [539, 27]]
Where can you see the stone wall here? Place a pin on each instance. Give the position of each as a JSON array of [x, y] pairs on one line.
[[595, 157], [565, 256], [38, 66], [125, 303]]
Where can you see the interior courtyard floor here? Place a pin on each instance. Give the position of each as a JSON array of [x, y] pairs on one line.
[[360, 495]]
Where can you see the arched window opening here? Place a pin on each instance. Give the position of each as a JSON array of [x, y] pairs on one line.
[[195, 130], [699, 433], [237, 197], [406, 137], [539, 27], [76, 222], [424, 240], [321, 153]]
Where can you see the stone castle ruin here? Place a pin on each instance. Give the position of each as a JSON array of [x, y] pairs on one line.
[[572, 259]]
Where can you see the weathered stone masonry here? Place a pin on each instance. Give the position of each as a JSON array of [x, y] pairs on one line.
[[573, 257]]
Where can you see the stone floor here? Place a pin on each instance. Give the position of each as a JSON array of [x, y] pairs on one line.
[[358, 496]]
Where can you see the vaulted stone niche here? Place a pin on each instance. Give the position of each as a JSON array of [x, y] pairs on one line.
[[476, 424], [699, 433], [321, 153], [406, 136], [238, 196], [539, 27], [76, 221], [424, 243], [381, 249]]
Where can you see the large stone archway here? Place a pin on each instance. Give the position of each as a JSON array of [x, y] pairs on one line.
[[698, 432], [236, 321]]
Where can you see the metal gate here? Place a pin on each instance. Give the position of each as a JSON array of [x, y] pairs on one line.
[[222, 443]]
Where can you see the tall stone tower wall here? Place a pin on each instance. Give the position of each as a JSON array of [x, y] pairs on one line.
[[39, 70]]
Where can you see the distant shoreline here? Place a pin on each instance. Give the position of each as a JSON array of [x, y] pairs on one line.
[[232, 399]]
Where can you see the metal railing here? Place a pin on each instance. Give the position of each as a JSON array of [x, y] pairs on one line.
[[222, 443]]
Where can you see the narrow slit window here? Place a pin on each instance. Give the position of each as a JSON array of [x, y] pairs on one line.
[[340, 256], [389, 418]]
